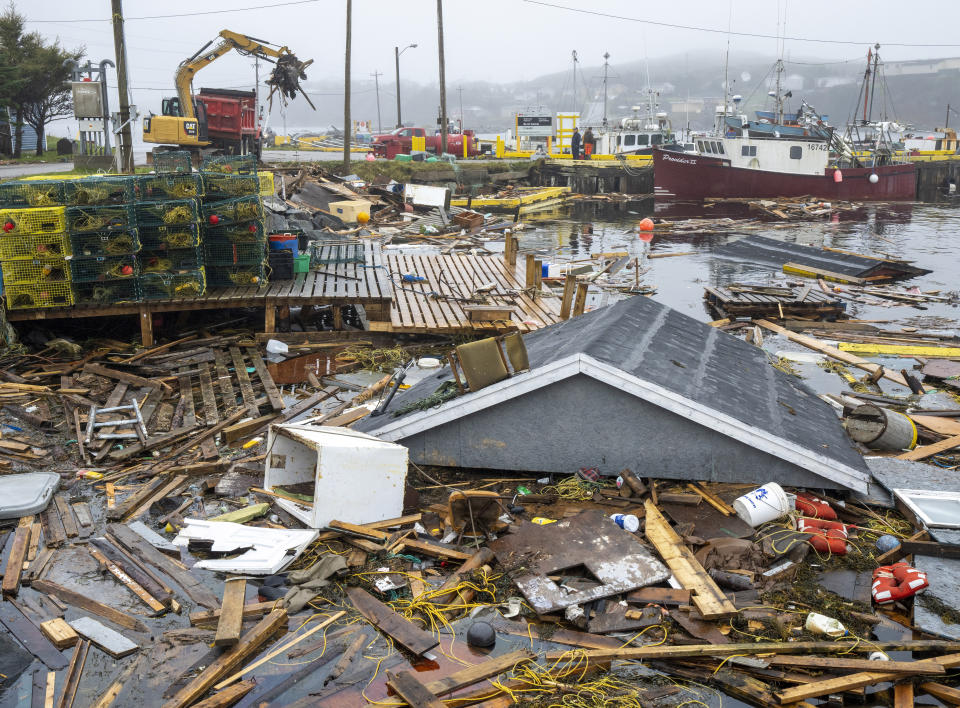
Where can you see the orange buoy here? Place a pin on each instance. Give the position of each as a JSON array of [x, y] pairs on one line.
[[646, 224], [838, 176], [362, 217]]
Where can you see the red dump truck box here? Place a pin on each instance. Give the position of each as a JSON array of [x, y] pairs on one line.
[[230, 114]]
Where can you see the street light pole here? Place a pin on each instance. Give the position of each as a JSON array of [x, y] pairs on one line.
[[396, 53]]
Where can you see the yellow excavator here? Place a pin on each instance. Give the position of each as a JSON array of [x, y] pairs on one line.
[[223, 120]]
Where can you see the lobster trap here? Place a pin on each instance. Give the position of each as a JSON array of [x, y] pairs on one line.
[[29, 297], [334, 252], [105, 243], [98, 270], [174, 212], [43, 246], [176, 186], [172, 161], [223, 186], [167, 237], [109, 292], [27, 195], [26, 272], [101, 218], [230, 253], [232, 211], [170, 261], [230, 164], [45, 220], [237, 276], [165, 286], [244, 232], [267, 186], [99, 191]]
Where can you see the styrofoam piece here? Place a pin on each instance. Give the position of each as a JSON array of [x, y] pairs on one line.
[[357, 478], [151, 536], [107, 639], [801, 357], [270, 550], [27, 493]]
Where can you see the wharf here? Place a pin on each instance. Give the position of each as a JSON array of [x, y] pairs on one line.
[[390, 306]]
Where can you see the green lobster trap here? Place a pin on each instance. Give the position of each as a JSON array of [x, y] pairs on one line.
[[172, 161], [99, 191], [237, 276], [105, 243], [334, 252], [176, 186], [29, 297], [170, 261], [175, 212], [267, 186], [43, 246], [165, 237], [229, 253], [230, 164], [28, 222], [222, 186], [244, 232], [98, 270], [232, 211], [26, 272], [27, 195], [110, 292], [166, 286], [84, 219]]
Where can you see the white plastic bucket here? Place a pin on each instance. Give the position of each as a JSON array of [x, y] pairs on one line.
[[763, 504]]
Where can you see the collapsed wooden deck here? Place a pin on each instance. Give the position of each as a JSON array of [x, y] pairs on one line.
[[744, 301], [390, 305]]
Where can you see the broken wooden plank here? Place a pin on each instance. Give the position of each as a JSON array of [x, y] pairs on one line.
[[247, 428], [808, 271], [72, 680], [947, 694], [127, 378], [87, 604], [135, 500], [709, 599], [925, 451], [166, 490], [842, 663], [108, 640], [243, 380], [207, 435], [52, 527], [60, 634], [228, 696], [269, 387], [435, 550], [209, 618], [230, 623], [30, 637], [230, 659], [493, 666], [401, 630], [153, 442], [131, 584], [66, 516], [15, 559], [412, 691], [659, 596]]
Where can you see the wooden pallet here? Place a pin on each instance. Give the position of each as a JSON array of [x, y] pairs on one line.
[[807, 302]]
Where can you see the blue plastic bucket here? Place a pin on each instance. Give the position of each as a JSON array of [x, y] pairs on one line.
[[284, 242]]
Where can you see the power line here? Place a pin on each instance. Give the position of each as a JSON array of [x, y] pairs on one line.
[[721, 31], [186, 14]]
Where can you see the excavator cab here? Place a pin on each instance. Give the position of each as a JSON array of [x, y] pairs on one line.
[[171, 107]]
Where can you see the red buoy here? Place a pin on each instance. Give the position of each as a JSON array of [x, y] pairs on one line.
[[9, 226], [214, 219], [646, 224]]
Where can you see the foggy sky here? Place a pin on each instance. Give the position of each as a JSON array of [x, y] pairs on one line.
[[494, 40]]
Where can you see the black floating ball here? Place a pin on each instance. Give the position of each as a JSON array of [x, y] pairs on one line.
[[481, 634]]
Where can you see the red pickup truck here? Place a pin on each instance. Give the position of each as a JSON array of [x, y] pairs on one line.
[[400, 142]]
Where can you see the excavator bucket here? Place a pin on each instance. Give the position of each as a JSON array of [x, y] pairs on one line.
[[286, 76]]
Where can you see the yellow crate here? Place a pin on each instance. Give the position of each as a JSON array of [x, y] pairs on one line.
[[29, 297], [267, 187], [41, 246], [46, 220], [35, 272]]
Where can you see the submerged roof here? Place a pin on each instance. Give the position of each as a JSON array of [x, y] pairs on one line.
[[759, 249], [665, 357]]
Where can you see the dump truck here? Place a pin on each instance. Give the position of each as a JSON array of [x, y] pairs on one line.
[[404, 141]]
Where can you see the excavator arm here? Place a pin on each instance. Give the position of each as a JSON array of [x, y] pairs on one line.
[[285, 78]]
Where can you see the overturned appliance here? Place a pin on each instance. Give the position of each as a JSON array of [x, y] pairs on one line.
[[632, 385], [334, 473]]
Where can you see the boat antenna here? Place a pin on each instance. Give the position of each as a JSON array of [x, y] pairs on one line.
[[606, 66]]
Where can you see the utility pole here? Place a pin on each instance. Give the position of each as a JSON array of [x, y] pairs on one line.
[[396, 56], [606, 66], [574, 80], [347, 127], [460, 91], [126, 138], [376, 80], [443, 80], [946, 123]]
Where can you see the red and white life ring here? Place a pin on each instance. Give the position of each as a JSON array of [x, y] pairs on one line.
[[827, 536], [899, 581], [809, 505]]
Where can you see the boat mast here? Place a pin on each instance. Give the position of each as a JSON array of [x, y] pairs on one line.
[[606, 66], [574, 53], [779, 97], [873, 89], [866, 85]]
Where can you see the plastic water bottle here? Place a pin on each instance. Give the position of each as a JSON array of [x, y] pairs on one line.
[[628, 522]]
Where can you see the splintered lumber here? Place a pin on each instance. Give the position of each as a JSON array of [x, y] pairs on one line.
[[131, 584], [447, 592], [355, 530], [852, 681], [212, 617], [249, 643], [123, 376], [947, 694], [106, 639], [155, 441], [842, 663], [344, 661], [280, 650], [936, 448], [193, 442], [247, 428], [811, 272], [834, 353], [18, 554], [30, 637], [711, 499], [228, 696], [659, 596], [107, 698], [493, 666], [230, 623], [401, 630], [709, 599], [60, 634], [169, 488], [412, 691], [273, 395], [53, 533], [66, 516], [141, 549], [87, 604], [72, 680], [433, 549], [134, 500]]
